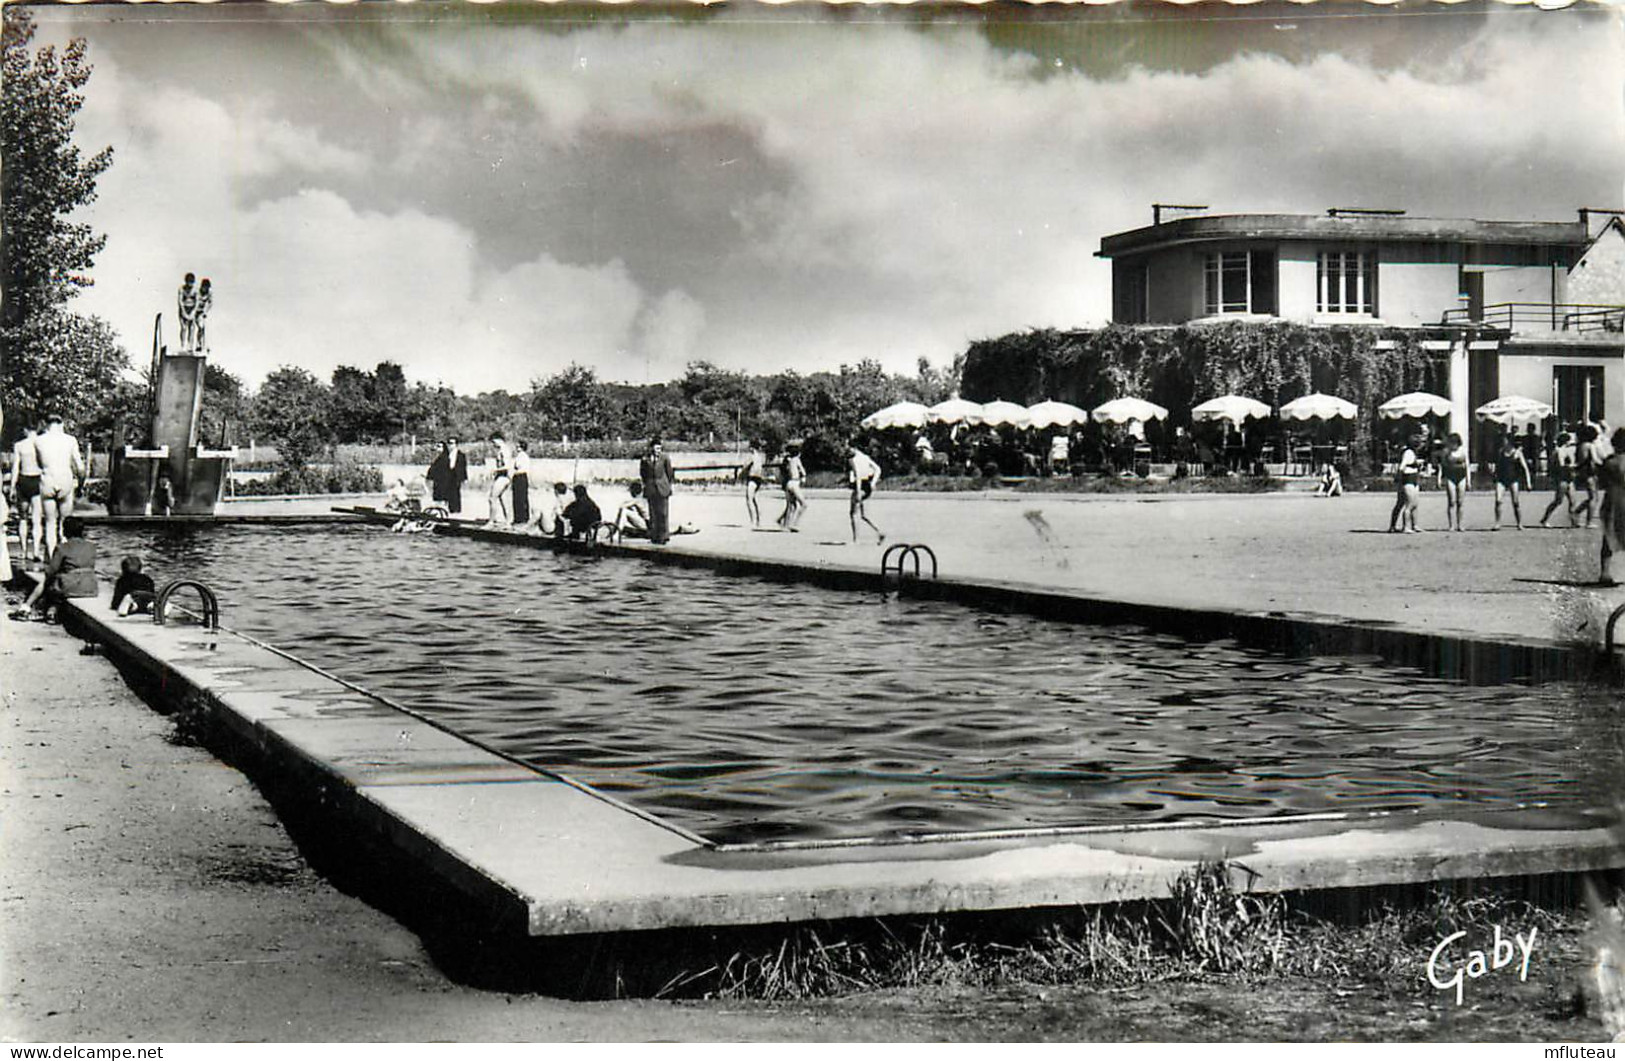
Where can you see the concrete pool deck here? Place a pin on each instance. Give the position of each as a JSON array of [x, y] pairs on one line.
[[544, 857]]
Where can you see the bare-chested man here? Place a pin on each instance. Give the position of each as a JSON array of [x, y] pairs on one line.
[[25, 491], [61, 470]]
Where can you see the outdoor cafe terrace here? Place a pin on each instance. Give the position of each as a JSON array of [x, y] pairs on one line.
[[1230, 434]]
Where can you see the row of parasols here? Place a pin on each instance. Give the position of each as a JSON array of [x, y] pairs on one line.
[[1509, 411]]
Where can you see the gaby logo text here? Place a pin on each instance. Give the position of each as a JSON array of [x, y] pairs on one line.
[[1444, 973]]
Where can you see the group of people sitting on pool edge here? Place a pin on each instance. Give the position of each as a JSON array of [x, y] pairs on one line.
[[646, 514], [70, 572]]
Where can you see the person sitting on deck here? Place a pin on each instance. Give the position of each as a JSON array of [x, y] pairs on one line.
[[1331, 482], [632, 518], [582, 514], [399, 499], [134, 591], [550, 518], [70, 572]]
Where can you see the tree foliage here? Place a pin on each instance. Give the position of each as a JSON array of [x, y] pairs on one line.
[[291, 411], [55, 360], [571, 404]]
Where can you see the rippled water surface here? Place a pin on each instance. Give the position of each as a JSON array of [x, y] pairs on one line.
[[747, 709]]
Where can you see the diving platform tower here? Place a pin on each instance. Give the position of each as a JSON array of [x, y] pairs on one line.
[[169, 470]]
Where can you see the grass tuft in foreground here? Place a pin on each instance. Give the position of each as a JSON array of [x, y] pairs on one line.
[[1208, 928]]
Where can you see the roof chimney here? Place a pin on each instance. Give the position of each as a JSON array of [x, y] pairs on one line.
[[1594, 220], [1175, 210]]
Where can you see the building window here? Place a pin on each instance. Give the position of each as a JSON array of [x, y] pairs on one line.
[[1240, 282], [1347, 283]]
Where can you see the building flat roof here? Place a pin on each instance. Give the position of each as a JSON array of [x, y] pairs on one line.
[[1363, 227]]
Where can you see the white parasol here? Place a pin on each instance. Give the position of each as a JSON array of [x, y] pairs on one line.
[[1056, 414], [903, 414], [1232, 408], [952, 411], [1123, 410], [1001, 413], [1512, 410], [1319, 406], [1415, 405]]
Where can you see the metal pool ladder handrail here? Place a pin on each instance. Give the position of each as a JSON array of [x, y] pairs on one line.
[[1608, 631], [211, 605], [904, 552]]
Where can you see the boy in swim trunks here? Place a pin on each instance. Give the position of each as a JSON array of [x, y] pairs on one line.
[[61, 470], [791, 474], [861, 475], [753, 473], [25, 473], [1453, 467]]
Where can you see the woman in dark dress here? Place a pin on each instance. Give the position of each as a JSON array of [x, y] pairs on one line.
[[447, 475]]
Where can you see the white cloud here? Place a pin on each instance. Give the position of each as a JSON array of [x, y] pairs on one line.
[[934, 189]]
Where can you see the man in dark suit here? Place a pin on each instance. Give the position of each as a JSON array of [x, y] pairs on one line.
[[656, 472], [447, 475]]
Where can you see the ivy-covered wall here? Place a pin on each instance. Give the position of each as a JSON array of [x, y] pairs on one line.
[[1181, 367]]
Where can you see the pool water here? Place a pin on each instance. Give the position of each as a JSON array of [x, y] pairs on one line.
[[747, 710]]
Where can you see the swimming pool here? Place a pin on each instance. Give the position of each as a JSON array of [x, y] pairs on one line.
[[749, 710]]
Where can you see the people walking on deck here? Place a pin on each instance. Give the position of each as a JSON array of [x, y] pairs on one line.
[[1560, 467], [1612, 476], [186, 303], [655, 471], [792, 474], [1408, 490], [501, 480], [1588, 458], [861, 475], [1452, 475], [753, 473], [447, 475], [1511, 471], [25, 492], [61, 472]]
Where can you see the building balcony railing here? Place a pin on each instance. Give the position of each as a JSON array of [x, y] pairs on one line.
[[1542, 316]]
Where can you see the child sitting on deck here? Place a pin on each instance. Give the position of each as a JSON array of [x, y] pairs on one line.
[[70, 572], [134, 591]]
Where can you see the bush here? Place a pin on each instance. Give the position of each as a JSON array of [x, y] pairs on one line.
[[343, 476]]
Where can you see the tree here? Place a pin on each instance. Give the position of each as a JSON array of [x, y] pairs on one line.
[[290, 411], [63, 363], [55, 360], [572, 403], [224, 405], [349, 404]]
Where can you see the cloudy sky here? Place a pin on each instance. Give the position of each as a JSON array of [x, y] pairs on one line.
[[486, 194]]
